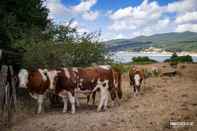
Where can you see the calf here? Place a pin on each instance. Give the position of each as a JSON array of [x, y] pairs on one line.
[[36, 82], [136, 76]]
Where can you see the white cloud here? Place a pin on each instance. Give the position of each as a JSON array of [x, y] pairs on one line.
[[187, 27], [73, 24], [182, 6], [78, 26], [131, 18], [121, 25], [145, 10], [90, 15], [163, 23], [84, 6], [56, 8], [187, 17], [121, 13]]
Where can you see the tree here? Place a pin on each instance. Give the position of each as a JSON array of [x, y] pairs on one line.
[[67, 48], [21, 19]]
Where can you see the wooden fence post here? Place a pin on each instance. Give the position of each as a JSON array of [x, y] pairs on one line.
[[7, 94]]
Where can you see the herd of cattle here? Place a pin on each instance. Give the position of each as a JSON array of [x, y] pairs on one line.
[[66, 82]]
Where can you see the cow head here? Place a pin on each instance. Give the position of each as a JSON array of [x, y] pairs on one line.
[[137, 80], [23, 78]]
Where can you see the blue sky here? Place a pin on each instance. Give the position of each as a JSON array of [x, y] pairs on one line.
[[126, 18]]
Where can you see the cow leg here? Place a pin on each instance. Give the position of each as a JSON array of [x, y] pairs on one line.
[[138, 88], [100, 104], [88, 98], [40, 102], [65, 104], [64, 96], [77, 101], [117, 99], [134, 90], [72, 101], [106, 100], [103, 99], [143, 83], [93, 98]]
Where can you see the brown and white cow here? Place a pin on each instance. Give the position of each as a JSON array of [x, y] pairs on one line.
[[136, 76], [36, 82], [63, 82], [94, 78], [117, 84]]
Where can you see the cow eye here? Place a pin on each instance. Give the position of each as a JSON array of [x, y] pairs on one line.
[[104, 84]]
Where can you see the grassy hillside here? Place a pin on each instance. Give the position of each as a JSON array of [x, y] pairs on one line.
[[186, 41]]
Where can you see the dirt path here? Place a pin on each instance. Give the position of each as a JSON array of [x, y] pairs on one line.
[[161, 100]]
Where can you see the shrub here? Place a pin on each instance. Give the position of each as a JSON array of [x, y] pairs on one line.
[[66, 49], [142, 60], [122, 67], [178, 59]]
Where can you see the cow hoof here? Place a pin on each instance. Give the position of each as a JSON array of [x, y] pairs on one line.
[[72, 112], [64, 111], [98, 110], [105, 108]]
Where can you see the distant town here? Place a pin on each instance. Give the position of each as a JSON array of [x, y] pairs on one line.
[[164, 52]]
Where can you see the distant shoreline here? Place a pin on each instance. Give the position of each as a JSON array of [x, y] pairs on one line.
[[126, 56], [151, 50], [166, 53]]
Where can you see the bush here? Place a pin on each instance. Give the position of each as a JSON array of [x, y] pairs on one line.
[[142, 60], [122, 67], [179, 59]]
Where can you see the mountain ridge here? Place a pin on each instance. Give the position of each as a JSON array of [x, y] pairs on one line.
[[173, 41]]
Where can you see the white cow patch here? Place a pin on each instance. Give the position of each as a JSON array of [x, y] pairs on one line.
[[67, 73], [75, 69], [106, 67], [42, 72], [23, 78], [115, 83], [81, 82], [52, 74], [137, 79], [92, 81]]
